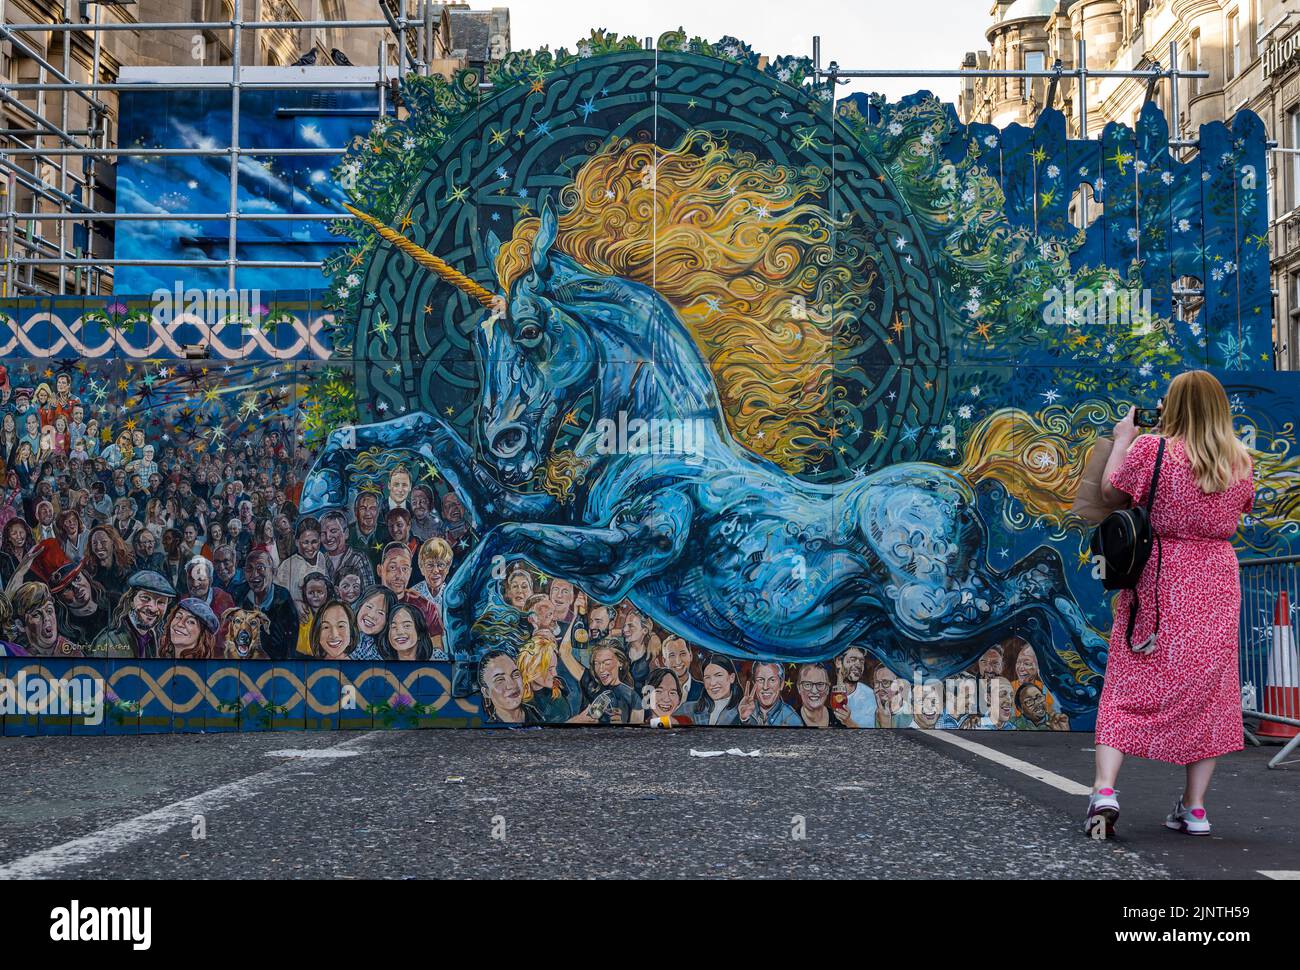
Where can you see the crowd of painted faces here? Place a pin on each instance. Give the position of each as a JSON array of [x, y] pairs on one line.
[[580, 661], [116, 546]]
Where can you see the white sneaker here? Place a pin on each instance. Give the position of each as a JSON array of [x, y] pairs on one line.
[[1103, 813], [1189, 821]]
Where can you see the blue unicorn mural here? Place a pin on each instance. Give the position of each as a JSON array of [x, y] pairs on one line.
[[718, 545]]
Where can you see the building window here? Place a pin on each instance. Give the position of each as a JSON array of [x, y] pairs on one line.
[[1034, 61], [1293, 132], [1194, 58], [1234, 45]]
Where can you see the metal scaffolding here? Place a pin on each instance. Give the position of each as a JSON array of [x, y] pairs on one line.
[[71, 196]]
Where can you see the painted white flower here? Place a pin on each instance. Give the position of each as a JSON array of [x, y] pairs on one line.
[[1217, 275], [1167, 178], [991, 141], [964, 412], [1205, 176], [1195, 328], [1140, 166], [343, 292], [1045, 249], [1109, 288], [1110, 348], [1100, 185], [584, 49], [783, 74], [976, 292], [927, 139], [1184, 225], [895, 128], [972, 307], [732, 51], [975, 391], [1230, 267], [352, 279], [1133, 234], [1053, 171], [408, 143], [968, 197], [1145, 369]]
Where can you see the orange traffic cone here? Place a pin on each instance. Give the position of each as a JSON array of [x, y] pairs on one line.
[[1282, 695]]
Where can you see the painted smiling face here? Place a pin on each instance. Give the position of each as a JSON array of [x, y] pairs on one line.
[[504, 685], [334, 633], [372, 616], [402, 634]]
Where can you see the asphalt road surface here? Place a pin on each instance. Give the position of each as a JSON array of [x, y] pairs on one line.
[[616, 803]]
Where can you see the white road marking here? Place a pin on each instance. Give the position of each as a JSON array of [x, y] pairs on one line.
[[123, 834], [312, 753], [1292, 875], [1059, 782]]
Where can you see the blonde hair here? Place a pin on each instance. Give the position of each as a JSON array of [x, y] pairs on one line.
[[1196, 412], [744, 251], [534, 657], [435, 549]]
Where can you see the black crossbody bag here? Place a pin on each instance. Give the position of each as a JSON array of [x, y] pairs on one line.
[[1123, 543]]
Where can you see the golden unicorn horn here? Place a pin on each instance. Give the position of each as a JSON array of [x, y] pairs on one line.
[[427, 259]]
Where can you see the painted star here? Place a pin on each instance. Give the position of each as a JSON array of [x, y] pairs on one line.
[[588, 107], [406, 222], [498, 137], [457, 194]]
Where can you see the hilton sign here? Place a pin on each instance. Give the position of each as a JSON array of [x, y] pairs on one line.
[[1281, 53]]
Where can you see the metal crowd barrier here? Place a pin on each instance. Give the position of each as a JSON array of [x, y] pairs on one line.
[[1270, 668]]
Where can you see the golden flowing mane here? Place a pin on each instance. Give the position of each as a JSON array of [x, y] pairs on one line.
[[748, 257]]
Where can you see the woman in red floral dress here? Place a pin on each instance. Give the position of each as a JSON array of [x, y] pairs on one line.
[[1177, 697]]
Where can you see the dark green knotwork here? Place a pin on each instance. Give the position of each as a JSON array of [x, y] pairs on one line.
[[411, 339]]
